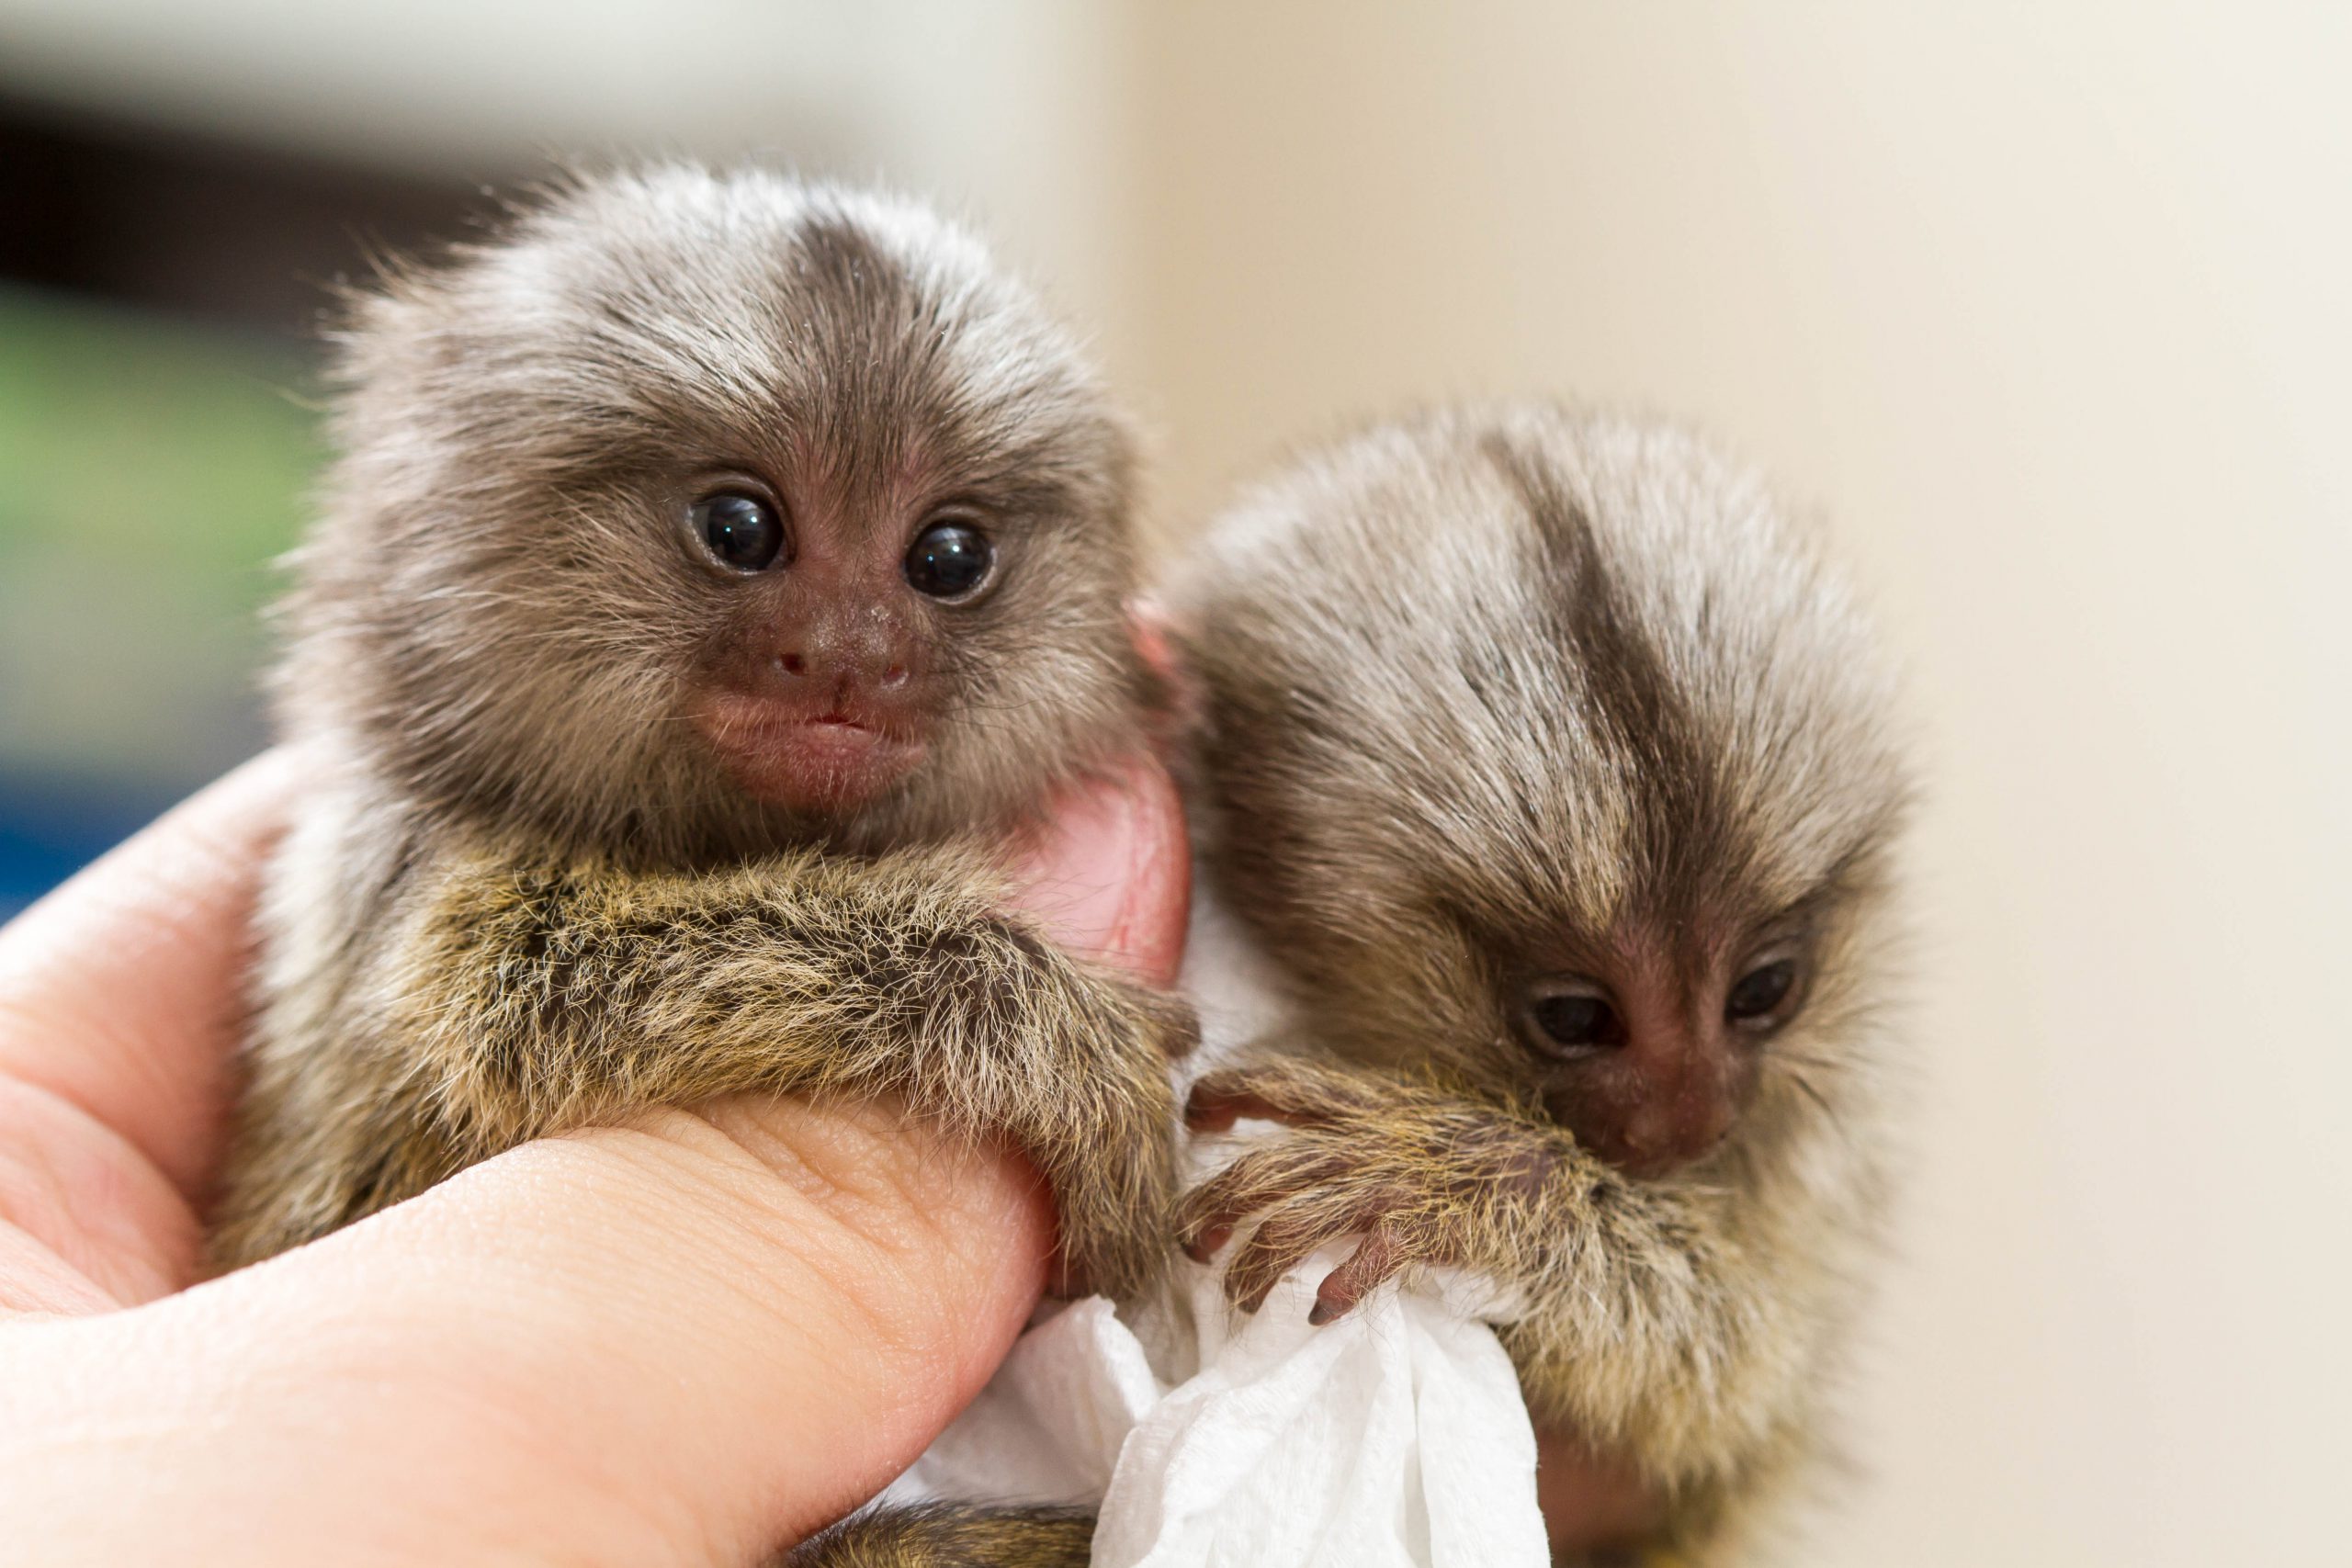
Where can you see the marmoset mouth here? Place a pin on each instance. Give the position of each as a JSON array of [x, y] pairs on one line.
[[781, 753]]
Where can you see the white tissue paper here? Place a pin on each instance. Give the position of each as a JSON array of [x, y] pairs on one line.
[[1394, 1438]]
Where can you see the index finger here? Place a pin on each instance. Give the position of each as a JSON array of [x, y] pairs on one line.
[[122, 992]]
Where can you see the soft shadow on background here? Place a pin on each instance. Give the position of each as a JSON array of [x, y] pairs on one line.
[[2043, 311]]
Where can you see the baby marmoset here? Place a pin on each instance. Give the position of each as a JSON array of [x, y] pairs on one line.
[[1555, 775], [714, 567]]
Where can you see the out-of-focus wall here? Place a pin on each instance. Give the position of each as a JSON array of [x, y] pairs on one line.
[[2049, 309], [995, 104]]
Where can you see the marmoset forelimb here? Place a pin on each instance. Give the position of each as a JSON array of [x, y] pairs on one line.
[[1556, 775]]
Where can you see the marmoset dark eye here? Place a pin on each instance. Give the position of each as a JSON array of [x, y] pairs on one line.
[[1571, 1017], [950, 561], [741, 532], [1758, 993]]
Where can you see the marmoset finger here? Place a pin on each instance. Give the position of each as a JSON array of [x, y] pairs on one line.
[[1206, 1216], [1296, 1094], [1371, 1264], [1295, 1232]]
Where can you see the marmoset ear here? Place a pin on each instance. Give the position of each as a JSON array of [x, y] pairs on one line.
[[1177, 707]]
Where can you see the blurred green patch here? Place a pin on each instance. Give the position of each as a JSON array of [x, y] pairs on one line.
[[150, 471]]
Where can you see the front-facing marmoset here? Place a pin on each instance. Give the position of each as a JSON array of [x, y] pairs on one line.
[[1556, 775], [712, 567]]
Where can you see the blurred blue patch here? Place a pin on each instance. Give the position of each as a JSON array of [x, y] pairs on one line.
[[49, 830]]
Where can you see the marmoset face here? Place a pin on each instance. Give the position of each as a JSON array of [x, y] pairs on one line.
[[712, 512]]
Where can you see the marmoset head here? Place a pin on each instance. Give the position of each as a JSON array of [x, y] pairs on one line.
[[691, 514], [1540, 751]]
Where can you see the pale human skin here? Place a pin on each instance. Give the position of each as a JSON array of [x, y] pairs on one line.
[[687, 1340]]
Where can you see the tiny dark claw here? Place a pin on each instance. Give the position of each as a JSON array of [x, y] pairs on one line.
[[1336, 1296], [1370, 1266]]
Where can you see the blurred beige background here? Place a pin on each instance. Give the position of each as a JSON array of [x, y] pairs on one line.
[[2047, 309]]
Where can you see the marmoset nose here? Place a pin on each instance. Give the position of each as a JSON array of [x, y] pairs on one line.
[[844, 654], [1666, 1131], [1663, 1089], [824, 666]]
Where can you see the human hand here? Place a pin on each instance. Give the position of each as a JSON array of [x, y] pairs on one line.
[[688, 1339]]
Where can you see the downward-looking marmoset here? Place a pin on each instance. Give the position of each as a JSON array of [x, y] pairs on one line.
[[1555, 776], [712, 567]]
